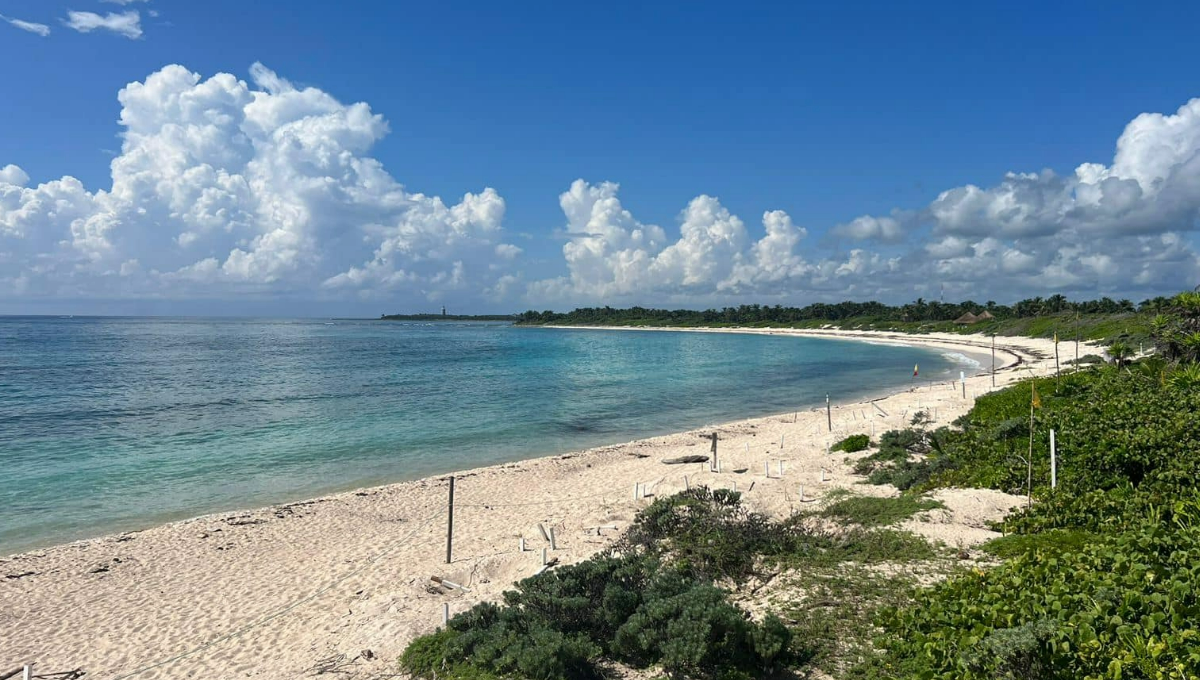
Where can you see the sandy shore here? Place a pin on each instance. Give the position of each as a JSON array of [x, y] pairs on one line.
[[278, 592]]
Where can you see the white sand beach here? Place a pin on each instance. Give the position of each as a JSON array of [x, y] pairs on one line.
[[279, 592]]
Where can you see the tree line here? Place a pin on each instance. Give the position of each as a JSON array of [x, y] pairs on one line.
[[916, 311]]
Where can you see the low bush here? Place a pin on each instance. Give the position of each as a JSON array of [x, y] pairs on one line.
[[870, 511], [852, 444], [1125, 606]]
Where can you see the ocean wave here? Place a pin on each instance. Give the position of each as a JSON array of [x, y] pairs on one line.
[[962, 359]]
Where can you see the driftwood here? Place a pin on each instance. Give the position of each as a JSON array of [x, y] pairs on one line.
[[685, 459], [448, 584]]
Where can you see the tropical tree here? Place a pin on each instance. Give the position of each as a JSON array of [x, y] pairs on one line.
[[1120, 352]]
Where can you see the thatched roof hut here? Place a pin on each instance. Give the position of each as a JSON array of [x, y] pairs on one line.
[[966, 319], [985, 316]]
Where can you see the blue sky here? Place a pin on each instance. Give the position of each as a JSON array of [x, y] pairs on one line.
[[706, 115]]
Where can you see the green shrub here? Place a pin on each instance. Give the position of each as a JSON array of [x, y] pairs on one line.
[[1053, 541], [1126, 606], [852, 444], [710, 533], [870, 511]]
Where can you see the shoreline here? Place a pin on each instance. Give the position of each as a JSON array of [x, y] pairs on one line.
[[306, 581]]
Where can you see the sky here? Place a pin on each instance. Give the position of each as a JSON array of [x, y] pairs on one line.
[[350, 159]]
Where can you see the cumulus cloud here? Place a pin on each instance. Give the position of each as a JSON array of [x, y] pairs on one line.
[[1125, 227], [223, 187], [128, 24], [611, 254], [40, 29]]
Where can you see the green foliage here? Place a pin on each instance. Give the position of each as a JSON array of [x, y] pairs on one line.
[[652, 606], [1052, 541], [690, 629], [1176, 333], [1123, 607], [870, 511], [709, 533], [852, 444]]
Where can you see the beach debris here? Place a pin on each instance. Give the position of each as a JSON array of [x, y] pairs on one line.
[[639, 455], [243, 521], [685, 459], [98, 569], [448, 584], [22, 574], [600, 528]]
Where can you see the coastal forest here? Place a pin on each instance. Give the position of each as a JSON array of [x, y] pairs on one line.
[[1102, 319], [1096, 577]]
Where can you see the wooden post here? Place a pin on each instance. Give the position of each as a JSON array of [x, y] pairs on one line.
[[993, 359], [828, 413], [686, 485], [553, 543], [450, 523], [716, 467], [962, 375], [1057, 375], [545, 534], [545, 560], [781, 441], [801, 493], [521, 543], [1053, 462]]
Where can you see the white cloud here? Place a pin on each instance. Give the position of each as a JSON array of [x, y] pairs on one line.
[[40, 29], [128, 24], [867, 228], [223, 187]]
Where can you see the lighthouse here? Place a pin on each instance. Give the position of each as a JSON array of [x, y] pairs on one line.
[[443, 310]]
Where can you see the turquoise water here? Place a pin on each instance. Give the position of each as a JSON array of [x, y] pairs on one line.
[[112, 424]]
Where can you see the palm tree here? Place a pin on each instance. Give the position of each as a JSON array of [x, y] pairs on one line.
[[1120, 352]]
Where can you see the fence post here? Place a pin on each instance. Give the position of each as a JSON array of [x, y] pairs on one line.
[[553, 543], [450, 523], [828, 413], [715, 466], [1053, 461]]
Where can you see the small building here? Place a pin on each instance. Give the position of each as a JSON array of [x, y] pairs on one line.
[[966, 319], [985, 316]]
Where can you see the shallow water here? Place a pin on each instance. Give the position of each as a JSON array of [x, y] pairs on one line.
[[112, 424]]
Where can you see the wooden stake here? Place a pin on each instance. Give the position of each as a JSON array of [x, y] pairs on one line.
[[781, 469], [993, 359], [544, 557], [542, 529], [1053, 461], [445, 613], [686, 485], [828, 413], [521, 543], [553, 543], [715, 465], [450, 523]]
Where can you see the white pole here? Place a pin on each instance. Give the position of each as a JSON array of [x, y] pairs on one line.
[[822, 475], [635, 491], [781, 469], [553, 543], [767, 469], [686, 485], [445, 620], [1053, 462], [28, 674], [544, 558], [801, 492], [781, 441], [521, 543], [734, 487]]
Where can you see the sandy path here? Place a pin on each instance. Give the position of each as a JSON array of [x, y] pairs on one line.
[[271, 593]]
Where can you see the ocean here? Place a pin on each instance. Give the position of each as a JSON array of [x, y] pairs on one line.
[[115, 424]]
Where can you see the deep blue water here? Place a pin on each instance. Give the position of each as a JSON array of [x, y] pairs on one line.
[[112, 424]]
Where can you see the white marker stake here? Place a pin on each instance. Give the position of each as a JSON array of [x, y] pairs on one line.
[[553, 543], [1053, 461], [686, 485], [635, 491], [781, 441], [822, 475], [521, 543], [801, 492], [28, 674], [734, 487], [445, 614], [781, 469], [544, 558]]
